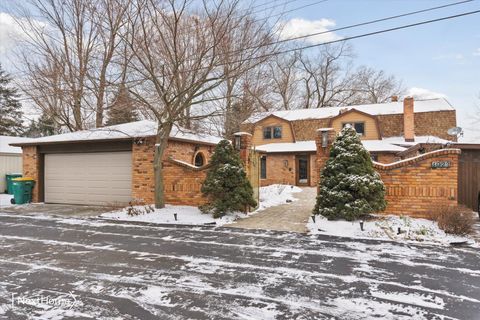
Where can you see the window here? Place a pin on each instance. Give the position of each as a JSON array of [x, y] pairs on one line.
[[199, 159], [374, 157], [277, 132], [358, 126], [263, 167], [267, 133], [272, 132]]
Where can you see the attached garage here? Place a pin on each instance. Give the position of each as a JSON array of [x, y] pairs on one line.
[[114, 165], [88, 178]]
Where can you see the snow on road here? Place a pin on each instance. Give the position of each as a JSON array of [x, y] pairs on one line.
[[137, 271]]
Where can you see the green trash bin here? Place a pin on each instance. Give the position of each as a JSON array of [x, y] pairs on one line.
[[22, 190], [9, 177]]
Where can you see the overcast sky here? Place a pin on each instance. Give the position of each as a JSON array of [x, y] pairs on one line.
[[439, 59]]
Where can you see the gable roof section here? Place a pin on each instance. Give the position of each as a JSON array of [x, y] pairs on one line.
[[138, 129], [283, 120], [430, 105], [354, 110]]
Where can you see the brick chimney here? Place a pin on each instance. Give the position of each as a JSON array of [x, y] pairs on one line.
[[394, 98], [408, 120]]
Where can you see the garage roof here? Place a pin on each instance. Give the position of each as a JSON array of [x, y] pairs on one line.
[[138, 129]]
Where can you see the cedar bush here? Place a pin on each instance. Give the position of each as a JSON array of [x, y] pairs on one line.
[[226, 186], [456, 220], [349, 186]]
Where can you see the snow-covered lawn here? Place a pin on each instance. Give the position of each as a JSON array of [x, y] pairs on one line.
[[276, 194], [270, 196], [386, 227], [5, 199]]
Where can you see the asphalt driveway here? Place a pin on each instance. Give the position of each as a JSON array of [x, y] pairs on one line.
[[78, 269]]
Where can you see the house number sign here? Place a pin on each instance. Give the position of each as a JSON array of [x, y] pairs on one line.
[[440, 164]]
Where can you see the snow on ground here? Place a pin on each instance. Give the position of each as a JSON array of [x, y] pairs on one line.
[[386, 227], [270, 196], [5, 199], [276, 194], [185, 215]]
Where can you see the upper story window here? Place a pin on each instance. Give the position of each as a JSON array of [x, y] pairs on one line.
[[272, 133], [358, 126]]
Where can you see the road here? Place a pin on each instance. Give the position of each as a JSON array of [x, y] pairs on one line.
[[59, 268]]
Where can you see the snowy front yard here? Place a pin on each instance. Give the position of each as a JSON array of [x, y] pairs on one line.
[[270, 196], [386, 227]]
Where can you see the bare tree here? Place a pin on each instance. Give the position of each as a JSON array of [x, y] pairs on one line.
[[285, 81], [242, 53], [326, 77], [373, 86], [176, 63], [73, 45]]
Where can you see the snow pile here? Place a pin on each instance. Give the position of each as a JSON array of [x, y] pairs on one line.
[[276, 194], [270, 196], [386, 227], [185, 215]]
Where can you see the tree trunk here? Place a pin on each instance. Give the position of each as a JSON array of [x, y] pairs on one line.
[[163, 132]]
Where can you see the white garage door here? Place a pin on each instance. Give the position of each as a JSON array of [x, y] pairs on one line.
[[88, 178]]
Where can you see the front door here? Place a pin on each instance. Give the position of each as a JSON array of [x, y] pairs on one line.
[[303, 172]]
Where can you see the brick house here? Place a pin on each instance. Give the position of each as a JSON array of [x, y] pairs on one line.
[[390, 131], [113, 165]]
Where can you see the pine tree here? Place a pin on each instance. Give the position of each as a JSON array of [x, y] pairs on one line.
[[122, 109], [349, 187], [10, 107], [44, 126], [226, 186]]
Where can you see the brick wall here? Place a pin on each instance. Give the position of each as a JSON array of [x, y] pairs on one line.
[[181, 183], [277, 172], [414, 188], [31, 168], [387, 157]]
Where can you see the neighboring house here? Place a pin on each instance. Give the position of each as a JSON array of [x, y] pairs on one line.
[[10, 158], [390, 131], [114, 165]]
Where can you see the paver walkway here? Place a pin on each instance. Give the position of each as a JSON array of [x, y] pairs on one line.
[[287, 217]]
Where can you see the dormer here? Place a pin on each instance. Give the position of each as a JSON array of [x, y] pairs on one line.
[[272, 129], [365, 124]]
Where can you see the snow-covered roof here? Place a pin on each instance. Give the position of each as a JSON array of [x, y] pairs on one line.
[[309, 146], [144, 128], [300, 146], [5, 144], [439, 104], [418, 139]]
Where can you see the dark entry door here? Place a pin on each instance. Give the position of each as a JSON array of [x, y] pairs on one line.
[[303, 171]]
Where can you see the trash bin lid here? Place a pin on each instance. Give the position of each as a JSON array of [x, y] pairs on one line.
[[23, 179]]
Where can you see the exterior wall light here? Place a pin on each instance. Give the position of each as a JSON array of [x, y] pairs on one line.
[[324, 139]]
